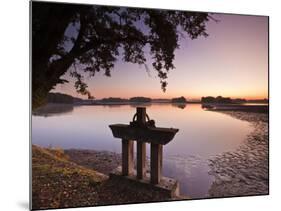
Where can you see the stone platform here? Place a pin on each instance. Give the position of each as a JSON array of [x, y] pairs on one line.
[[166, 185]]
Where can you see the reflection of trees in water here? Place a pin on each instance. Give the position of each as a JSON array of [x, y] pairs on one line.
[[112, 105], [179, 105], [207, 106], [134, 105], [53, 109]]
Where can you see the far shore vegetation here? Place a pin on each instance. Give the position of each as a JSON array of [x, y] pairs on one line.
[[68, 99]]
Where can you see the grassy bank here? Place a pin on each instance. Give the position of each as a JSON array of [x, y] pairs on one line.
[[58, 182]]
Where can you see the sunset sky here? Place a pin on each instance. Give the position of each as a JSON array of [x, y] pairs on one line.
[[232, 61]]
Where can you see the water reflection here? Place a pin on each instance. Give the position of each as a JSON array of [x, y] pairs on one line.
[[191, 172], [202, 134], [134, 105], [53, 110], [179, 105]]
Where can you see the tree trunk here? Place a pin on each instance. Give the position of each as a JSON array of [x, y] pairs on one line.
[[44, 79]]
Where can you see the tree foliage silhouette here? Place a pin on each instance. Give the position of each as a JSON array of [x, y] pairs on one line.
[[103, 35]]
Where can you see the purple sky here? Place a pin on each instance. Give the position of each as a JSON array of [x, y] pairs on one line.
[[232, 61]]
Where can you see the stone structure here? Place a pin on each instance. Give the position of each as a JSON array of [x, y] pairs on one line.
[[143, 132]]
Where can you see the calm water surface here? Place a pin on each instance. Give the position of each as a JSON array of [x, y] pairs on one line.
[[202, 134]]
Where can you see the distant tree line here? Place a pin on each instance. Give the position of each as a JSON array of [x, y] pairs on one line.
[[179, 100], [68, 99], [61, 98], [140, 99], [265, 100], [113, 100], [133, 99], [220, 99]]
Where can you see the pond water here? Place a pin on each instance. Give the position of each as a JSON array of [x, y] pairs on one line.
[[202, 134]]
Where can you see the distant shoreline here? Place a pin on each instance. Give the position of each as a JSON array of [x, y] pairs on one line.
[[58, 108], [175, 103], [209, 100], [133, 103], [255, 108]]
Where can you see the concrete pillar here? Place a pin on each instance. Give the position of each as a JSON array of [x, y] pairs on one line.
[[141, 150], [156, 163], [127, 157], [141, 155]]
